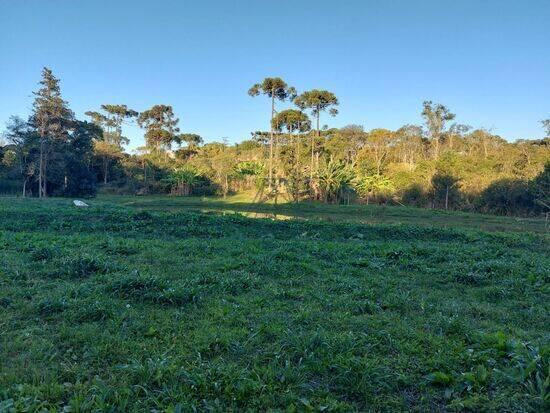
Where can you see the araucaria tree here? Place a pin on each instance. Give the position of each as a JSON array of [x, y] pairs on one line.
[[276, 89], [317, 101], [293, 121], [441, 164], [435, 116], [192, 140], [51, 117], [110, 121], [161, 127]]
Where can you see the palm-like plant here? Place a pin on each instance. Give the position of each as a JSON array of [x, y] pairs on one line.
[[183, 180], [335, 181], [249, 170], [369, 185]]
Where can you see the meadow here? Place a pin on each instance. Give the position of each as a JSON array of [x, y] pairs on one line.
[[185, 304]]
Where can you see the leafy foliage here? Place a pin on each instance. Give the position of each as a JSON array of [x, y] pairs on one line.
[[441, 165], [160, 126]]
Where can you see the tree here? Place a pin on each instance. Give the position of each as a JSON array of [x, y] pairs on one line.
[[482, 141], [506, 197], [410, 144], [540, 188], [116, 116], [107, 153], [317, 101], [435, 116], [22, 138], [251, 173], [379, 146], [51, 117], [354, 138], [276, 89], [446, 180], [111, 122], [223, 164], [109, 146], [160, 125], [192, 142], [293, 121], [546, 126], [191, 139], [77, 177], [456, 130], [445, 186]]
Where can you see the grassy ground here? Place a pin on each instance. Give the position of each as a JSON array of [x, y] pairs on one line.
[[370, 214], [124, 307]]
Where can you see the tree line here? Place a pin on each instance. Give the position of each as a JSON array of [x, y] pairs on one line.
[[439, 164]]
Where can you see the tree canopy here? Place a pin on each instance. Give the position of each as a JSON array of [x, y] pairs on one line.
[[161, 126], [435, 165]]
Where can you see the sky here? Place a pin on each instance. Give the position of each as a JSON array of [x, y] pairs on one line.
[[487, 60]]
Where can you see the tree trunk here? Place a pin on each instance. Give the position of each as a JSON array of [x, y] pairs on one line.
[[297, 142], [276, 160], [105, 169], [313, 145], [226, 187], [145, 172], [40, 167], [44, 177], [271, 141], [447, 198]]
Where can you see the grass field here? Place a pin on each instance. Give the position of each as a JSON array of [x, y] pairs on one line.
[[143, 304], [365, 214]]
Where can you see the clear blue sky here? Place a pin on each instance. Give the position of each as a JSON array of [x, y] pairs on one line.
[[489, 60]]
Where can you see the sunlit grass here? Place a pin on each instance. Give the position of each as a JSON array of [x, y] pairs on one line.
[[246, 203], [125, 306]]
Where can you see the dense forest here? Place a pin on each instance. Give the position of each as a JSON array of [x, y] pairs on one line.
[[440, 164]]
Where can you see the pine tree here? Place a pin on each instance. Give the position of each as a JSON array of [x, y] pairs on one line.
[[51, 117]]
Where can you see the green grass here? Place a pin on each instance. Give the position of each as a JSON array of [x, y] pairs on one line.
[[141, 304], [369, 214]]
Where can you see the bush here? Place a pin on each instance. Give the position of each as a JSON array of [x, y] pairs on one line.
[[414, 195], [446, 192], [540, 188], [507, 197]]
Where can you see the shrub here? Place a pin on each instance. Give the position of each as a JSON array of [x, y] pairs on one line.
[[540, 188], [446, 193], [414, 195], [507, 197]]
